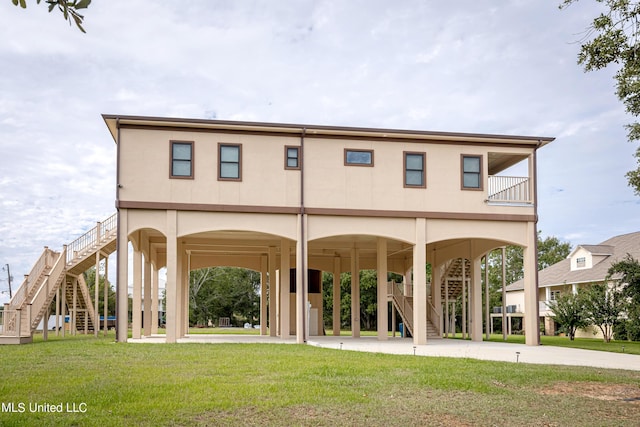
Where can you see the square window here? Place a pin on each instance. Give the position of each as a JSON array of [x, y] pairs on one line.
[[414, 170], [472, 172], [291, 157], [230, 163], [181, 159], [358, 157]]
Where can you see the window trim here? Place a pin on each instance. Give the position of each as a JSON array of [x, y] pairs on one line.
[[226, 144], [286, 157], [424, 168], [358, 150], [191, 160], [480, 173]]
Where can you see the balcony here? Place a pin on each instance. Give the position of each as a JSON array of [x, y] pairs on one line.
[[509, 190]]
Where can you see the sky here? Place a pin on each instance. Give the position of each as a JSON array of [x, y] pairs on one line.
[[478, 66]]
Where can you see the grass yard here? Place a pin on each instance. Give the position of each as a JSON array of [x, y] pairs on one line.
[[295, 385]]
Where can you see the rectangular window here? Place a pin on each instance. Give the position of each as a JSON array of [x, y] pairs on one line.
[[358, 157], [581, 262], [472, 172], [553, 295], [291, 157], [230, 162], [414, 170], [181, 159]]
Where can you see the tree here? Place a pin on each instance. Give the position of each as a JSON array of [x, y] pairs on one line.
[[68, 8], [90, 279], [568, 311], [224, 292], [629, 271], [613, 38], [602, 306]]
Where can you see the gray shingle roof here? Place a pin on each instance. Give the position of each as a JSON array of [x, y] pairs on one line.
[[614, 249]]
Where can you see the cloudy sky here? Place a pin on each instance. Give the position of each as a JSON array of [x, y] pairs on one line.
[[482, 66]]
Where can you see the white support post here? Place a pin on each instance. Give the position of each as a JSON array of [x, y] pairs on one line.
[[147, 296], [355, 293], [136, 311], [487, 314], [285, 288], [476, 301], [122, 262], [272, 291], [264, 269], [155, 302], [420, 283], [105, 298], [464, 300], [336, 296], [172, 279], [96, 293], [383, 304]]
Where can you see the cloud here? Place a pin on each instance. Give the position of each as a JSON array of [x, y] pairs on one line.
[[468, 66]]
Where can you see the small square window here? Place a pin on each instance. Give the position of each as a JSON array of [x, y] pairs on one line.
[[358, 157], [230, 162], [181, 159], [414, 170], [581, 262], [472, 172], [291, 157]]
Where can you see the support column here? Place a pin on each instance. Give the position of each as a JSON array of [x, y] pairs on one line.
[[96, 294], [355, 293], [476, 302], [58, 312], [171, 309], [105, 299], [446, 308], [301, 280], [420, 284], [504, 294], [463, 303], [285, 288], [383, 304], [155, 295], [530, 264], [74, 313], [136, 311], [272, 292], [184, 264], [122, 283], [63, 306], [336, 296], [487, 312], [264, 269], [436, 295], [147, 297]]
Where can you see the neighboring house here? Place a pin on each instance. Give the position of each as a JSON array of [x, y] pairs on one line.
[[587, 264], [303, 199]]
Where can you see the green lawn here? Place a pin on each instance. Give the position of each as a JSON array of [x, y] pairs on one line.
[[297, 385]]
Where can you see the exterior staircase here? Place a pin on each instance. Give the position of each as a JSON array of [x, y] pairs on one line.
[[32, 301], [404, 305]]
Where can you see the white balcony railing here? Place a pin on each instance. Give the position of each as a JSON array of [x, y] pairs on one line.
[[509, 189]]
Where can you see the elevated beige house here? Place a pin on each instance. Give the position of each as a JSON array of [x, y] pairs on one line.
[[586, 265], [291, 200]]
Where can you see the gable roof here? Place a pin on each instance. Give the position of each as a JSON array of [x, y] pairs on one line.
[[613, 249]]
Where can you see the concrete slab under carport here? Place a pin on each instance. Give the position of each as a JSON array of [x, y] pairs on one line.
[[496, 351]]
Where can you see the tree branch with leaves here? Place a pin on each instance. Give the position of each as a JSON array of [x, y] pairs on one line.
[[69, 9], [613, 39]]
